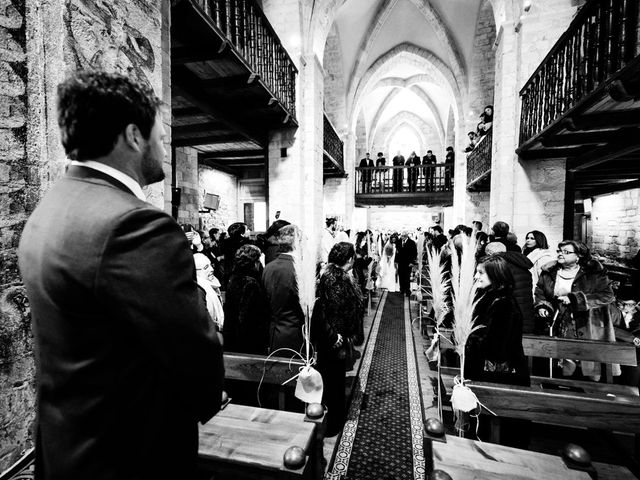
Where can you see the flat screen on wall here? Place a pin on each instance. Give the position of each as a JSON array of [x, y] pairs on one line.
[[211, 201]]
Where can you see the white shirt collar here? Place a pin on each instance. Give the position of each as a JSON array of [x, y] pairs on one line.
[[123, 178]]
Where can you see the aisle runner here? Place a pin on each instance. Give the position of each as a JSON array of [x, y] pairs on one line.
[[383, 437]]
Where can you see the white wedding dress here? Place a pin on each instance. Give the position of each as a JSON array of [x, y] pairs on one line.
[[388, 273]]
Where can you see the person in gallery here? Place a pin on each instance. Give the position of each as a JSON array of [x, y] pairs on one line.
[[398, 174], [366, 175], [127, 358]]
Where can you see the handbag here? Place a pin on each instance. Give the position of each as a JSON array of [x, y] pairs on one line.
[[348, 353]]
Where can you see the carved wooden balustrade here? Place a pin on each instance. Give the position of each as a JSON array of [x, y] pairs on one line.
[[246, 27], [601, 40], [479, 164], [333, 150]]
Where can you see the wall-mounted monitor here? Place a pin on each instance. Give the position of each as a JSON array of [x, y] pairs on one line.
[[211, 201]]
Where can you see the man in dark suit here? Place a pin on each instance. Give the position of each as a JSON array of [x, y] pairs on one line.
[[412, 173], [127, 357], [398, 174], [429, 171], [406, 256], [381, 172], [366, 175]]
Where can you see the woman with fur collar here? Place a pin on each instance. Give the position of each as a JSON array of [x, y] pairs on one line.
[[577, 285]]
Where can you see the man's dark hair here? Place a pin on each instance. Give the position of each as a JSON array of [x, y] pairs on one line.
[[500, 229], [471, 133], [380, 154], [477, 224], [437, 228], [340, 253], [95, 107], [213, 231], [429, 151], [237, 229], [449, 149], [330, 221]]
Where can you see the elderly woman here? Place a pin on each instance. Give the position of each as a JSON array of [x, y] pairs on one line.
[[577, 293], [335, 326], [246, 312]]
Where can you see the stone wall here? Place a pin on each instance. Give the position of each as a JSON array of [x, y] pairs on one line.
[[334, 84], [41, 42], [19, 190], [482, 74], [224, 185], [187, 180], [478, 208], [615, 222]]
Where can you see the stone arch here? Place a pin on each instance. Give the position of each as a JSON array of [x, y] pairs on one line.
[[321, 19], [420, 93], [503, 11], [418, 123], [376, 25], [394, 129], [412, 54], [334, 81]]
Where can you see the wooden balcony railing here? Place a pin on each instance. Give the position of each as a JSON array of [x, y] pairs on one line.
[[245, 26], [398, 179], [333, 147], [601, 40], [479, 160]]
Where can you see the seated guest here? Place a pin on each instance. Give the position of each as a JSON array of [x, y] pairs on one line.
[[246, 312], [336, 324], [577, 287]]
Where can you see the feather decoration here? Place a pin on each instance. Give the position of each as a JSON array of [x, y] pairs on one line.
[[463, 268], [439, 285]]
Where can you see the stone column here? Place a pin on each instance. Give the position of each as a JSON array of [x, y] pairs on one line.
[[349, 183]]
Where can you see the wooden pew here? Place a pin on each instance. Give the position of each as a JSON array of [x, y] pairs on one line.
[[254, 368]]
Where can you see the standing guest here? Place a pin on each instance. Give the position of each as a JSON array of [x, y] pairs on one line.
[[366, 175], [127, 359], [380, 172], [449, 170], [439, 238], [328, 238], [281, 284], [398, 175], [412, 173], [494, 352], [406, 255], [577, 286], [536, 248], [337, 316], [429, 171], [267, 242], [246, 311], [477, 225], [473, 139], [238, 236], [210, 289], [500, 230]]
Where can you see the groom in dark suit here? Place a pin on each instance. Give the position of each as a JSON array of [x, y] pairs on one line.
[[127, 357], [406, 256]]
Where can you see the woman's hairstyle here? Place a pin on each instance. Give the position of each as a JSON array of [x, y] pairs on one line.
[[498, 272], [95, 107], [584, 256], [540, 238], [275, 227], [289, 238], [388, 249], [246, 258], [237, 229], [340, 253]]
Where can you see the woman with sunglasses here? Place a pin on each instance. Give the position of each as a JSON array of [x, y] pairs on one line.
[[576, 291]]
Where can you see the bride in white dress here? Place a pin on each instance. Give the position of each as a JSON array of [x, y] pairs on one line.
[[388, 277]]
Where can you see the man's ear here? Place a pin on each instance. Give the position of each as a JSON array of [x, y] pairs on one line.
[[133, 137]]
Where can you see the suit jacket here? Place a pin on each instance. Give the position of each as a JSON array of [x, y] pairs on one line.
[[407, 254], [287, 317], [127, 357]]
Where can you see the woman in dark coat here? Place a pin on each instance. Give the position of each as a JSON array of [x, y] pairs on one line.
[[494, 352], [246, 326], [577, 285], [337, 315]]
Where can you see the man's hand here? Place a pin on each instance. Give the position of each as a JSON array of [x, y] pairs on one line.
[[564, 300], [338, 343]]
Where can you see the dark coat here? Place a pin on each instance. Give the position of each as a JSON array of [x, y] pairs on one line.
[[287, 317], [246, 314], [511, 247], [439, 241], [592, 302], [407, 254], [497, 343], [127, 357], [520, 266], [230, 246]]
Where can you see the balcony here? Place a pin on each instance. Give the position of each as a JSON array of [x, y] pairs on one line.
[[582, 103], [332, 152], [396, 185], [479, 165], [232, 80]]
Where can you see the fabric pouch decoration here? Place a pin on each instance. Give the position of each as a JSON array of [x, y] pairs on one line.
[[309, 385]]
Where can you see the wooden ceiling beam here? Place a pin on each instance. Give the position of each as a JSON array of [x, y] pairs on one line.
[[185, 130], [624, 143], [235, 154], [598, 121], [609, 188], [207, 140], [577, 139]]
